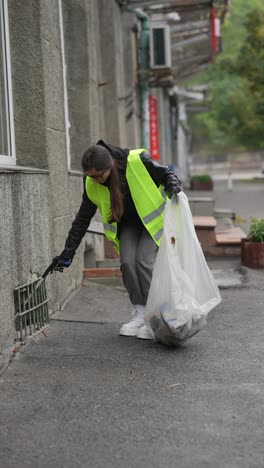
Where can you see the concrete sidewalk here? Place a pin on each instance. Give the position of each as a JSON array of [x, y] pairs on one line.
[[83, 396]]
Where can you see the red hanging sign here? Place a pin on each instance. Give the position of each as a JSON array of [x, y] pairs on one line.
[[214, 39], [153, 128]]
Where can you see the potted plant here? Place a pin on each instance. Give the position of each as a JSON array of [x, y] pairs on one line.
[[201, 182], [252, 247]]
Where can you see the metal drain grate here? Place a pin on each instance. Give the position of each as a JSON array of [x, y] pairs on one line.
[[31, 306]]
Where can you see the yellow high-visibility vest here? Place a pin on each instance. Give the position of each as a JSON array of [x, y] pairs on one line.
[[148, 199]]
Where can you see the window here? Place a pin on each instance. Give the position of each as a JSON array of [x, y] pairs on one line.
[[160, 48], [7, 147]]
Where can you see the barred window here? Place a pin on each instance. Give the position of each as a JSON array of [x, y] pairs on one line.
[[7, 150]]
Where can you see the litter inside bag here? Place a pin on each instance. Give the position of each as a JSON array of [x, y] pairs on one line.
[[182, 290], [167, 329]]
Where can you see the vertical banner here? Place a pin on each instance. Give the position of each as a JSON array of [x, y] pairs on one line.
[[213, 27], [153, 128], [218, 35]]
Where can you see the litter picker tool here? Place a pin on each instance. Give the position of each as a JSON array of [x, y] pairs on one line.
[[54, 266]]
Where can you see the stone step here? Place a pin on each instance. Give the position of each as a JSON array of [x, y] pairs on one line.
[[230, 236], [112, 281], [201, 206], [218, 238], [108, 263], [204, 222], [224, 213], [102, 272], [228, 242]]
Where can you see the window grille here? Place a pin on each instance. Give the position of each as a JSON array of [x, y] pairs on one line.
[[31, 306]]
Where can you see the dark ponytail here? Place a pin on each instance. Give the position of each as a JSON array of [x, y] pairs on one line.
[[98, 157], [116, 195]]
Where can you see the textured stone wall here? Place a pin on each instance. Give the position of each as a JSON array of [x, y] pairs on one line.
[[25, 229], [38, 207]]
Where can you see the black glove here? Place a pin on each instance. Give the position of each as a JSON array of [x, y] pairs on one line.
[[60, 262], [174, 197]]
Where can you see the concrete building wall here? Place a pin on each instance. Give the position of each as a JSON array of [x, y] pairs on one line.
[[96, 114], [109, 80], [40, 197], [182, 142], [117, 79], [64, 189], [25, 246], [165, 131], [130, 98]]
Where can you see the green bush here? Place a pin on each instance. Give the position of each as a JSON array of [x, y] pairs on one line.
[[256, 230], [201, 178]]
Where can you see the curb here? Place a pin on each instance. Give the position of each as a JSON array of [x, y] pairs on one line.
[[102, 272]]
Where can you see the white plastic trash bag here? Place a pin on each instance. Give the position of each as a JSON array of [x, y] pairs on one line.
[[183, 290]]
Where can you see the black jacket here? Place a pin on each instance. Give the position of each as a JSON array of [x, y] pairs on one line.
[[161, 175]]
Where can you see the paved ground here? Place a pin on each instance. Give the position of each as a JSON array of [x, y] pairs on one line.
[[245, 199], [85, 397]]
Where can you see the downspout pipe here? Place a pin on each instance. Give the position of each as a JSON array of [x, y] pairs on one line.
[[143, 67]]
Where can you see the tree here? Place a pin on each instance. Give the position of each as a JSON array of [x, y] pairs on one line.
[[237, 83]]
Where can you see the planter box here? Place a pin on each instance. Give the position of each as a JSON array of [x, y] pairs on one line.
[[252, 253], [196, 185]]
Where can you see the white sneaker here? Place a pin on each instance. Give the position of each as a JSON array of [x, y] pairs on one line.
[[145, 333], [132, 327]]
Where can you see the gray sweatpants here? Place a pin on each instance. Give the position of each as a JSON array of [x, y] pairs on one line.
[[137, 256]]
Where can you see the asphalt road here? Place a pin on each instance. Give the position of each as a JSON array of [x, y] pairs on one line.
[[85, 397]]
